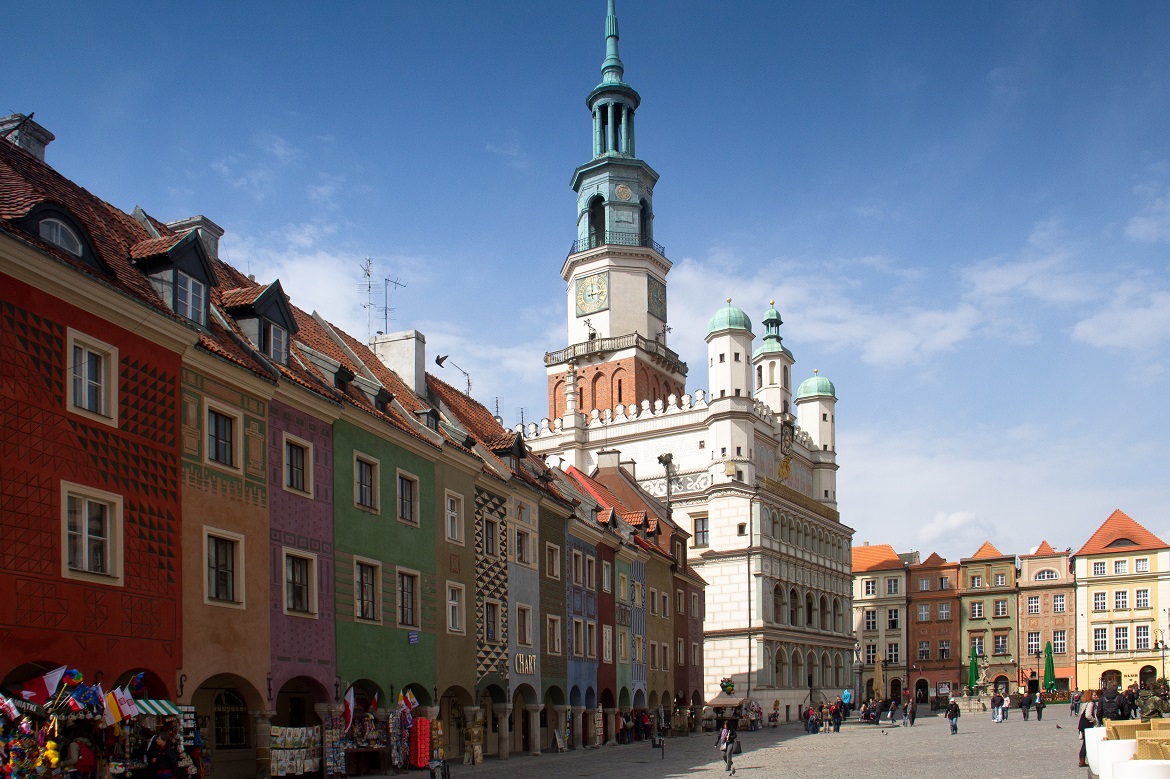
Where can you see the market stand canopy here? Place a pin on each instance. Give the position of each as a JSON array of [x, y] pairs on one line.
[[157, 708]]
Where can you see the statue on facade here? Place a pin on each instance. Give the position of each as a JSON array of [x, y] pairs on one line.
[[984, 671]]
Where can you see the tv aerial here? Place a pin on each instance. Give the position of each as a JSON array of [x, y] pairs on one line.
[[442, 358]]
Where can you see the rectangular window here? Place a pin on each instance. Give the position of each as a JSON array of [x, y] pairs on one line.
[[491, 541], [701, 532], [923, 650], [623, 646], [407, 498], [606, 576], [89, 535], [1141, 637], [695, 606], [680, 602], [607, 643], [1121, 638], [639, 642], [665, 604], [298, 465], [944, 611], [891, 586], [1033, 642], [300, 586], [591, 573], [977, 644], [944, 582], [870, 654], [223, 560], [365, 483], [523, 542], [1100, 639], [924, 584], [1099, 569], [552, 561], [591, 639], [1033, 604], [408, 598], [455, 610], [944, 649], [924, 612], [1058, 603], [221, 438], [1141, 565], [1060, 641], [190, 298], [977, 610], [639, 592], [654, 655], [892, 652], [524, 625], [695, 659], [1121, 600], [552, 640], [367, 582], [1000, 644], [893, 619], [976, 582], [1120, 567], [1001, 580], [93, 378], [454, 516], [870, 586], [491, 621], [1141, 599], [1001, 608], [277, 343], [578, 638], [653, 602], [681, 655], [623, 592], [1098, 601], [871, 619], [578, 568]]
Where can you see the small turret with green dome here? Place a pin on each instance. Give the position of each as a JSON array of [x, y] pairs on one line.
[[729, 318], [814, 386], [772, 342]]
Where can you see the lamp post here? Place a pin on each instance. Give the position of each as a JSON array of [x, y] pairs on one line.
[[1160, 645], [857, 671], [1039, 684], [885, 678]]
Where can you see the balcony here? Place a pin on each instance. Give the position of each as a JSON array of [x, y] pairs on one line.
[[598, 345], [614, 238]]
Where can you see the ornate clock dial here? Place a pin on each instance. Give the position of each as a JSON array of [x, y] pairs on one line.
[[623, 192], [592, 293], [656, 298]]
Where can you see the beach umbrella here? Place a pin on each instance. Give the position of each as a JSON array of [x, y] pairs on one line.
[[973, 669], [1049, 669]]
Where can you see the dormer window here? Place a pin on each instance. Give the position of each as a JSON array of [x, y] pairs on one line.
[[276, 342], [60, 234], [190, 298]]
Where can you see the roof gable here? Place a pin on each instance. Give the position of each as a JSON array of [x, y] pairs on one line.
[[1119, 531], [986, 551], [876, 557]]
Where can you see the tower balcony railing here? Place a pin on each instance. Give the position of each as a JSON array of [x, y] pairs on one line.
[[595, 345], [615, 238]]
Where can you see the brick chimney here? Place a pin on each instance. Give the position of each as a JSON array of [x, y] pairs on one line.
[[22, 131]]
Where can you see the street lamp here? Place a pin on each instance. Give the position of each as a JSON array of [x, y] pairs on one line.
[[1160, 645], [885, 678], [1039, 684], [857, 670]]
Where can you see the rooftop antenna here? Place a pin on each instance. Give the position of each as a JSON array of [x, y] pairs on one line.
[[366, 287], [442, 358], [388, 286], [665, 329]]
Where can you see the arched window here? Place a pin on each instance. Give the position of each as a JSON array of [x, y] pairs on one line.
[[231, 720], [1047, 573], [644, 222], [60, 234], [759, 376], [785, 377], [596, 221], [772, 372]]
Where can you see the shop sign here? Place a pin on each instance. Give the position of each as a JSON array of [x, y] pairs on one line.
[[525, 664], [412, 637]]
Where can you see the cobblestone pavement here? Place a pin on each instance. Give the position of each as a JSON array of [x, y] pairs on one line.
[[982, 749]]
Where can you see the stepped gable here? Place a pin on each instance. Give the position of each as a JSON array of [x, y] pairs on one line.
[[26, 182], [875, 557], [1120, 532], [986, 552], [1044, 550]]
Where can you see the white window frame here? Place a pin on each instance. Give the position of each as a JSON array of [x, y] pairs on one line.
[[695, 605], [1141, 637], [115, 575], [923, 650], [1141, 565], [239, 561], [1001, 580], [1141, 598], [288, 439], [402, 475], [276, 342], [591, 639], [498, 631], [200, 310], [375, 486], [976, 609], [1121, 638], [924, 612], [1121, 600], [695, 656], [680, 602], [456, 618], [606, 576], [976, 582], [1100, 639], [237, 444], [357, 608], [653, 655], [552, 561], [623, 646], [607, 643], [1100, 601], [553, 635], [653, 602], [453, 517], [1000, 608], [869, 586], [893, 619], [56, 231], [892, 586], [1059, 641], [523, 624], [1058, 603], [491, 538], [1120, 567], [416, 605], [1033, 641], [944, 611], [869, 619], [110, 378], [944, 649], [1098, 567], [591, 572], [1033, 604], [522, 546], [578, 568], [665, 610], [311, 595]]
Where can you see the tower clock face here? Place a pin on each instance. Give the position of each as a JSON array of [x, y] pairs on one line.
[[593, 293], [656, 298]]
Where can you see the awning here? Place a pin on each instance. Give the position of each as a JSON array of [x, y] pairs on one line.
[[157, 708]]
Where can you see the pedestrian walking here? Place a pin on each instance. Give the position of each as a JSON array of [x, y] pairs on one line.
[[893, 709], [906, 714], [728, 743], [952, 714], [912, 710], [1089, 718], [1026, 705], [997, 707], [1075, 704], [1040, 706]]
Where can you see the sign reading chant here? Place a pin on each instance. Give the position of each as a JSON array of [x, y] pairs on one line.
[[525, 664]]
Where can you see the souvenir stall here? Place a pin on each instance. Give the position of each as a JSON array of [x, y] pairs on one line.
[[295, 751], [364, 740], [410, 735], [725, 705]]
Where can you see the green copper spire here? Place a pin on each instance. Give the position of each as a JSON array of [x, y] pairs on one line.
[[611, 68]]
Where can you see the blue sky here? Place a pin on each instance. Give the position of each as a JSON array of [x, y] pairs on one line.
[[961, 209]]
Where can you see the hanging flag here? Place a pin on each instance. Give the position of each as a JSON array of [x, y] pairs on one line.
[[137, 685], [374, 703], [126, 703], [8, 708], [411, 699], [347, 710], [113, 713], [41, 689]]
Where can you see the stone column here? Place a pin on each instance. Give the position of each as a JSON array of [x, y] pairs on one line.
[[610, 137], [534, 727], [469, 715], [578, 727], [610, 720], [262, 730], [590, 728], [560, 714], [625, 129], [504, 726]]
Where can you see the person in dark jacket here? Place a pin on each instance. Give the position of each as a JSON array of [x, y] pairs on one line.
[[165, 761], [727, 741], [1090, 718], [952, 714], [1039, 707]]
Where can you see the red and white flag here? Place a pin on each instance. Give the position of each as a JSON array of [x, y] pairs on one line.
[[8, 708], [41, 689], [347, 710], [126, 702]]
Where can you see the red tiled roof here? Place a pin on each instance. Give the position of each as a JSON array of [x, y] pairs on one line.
[[152, 247], [242, 296], [934, 559], [986, 551], [1044, 550], [389, 379], [875, 557], [1120, 533]]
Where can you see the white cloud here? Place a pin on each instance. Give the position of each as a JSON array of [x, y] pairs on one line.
[[512, 153], [1044, 270], [256, 172], [1136, 318], [1153, 224]]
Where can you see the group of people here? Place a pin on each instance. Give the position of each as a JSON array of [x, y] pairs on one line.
[[826, 718], [873, 711], [1001, 704], [635, 726]]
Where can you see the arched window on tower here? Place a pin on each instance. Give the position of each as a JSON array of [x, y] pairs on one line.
[[772, 373], [596, 221], [619, 119], [644, 222], [785, 377]]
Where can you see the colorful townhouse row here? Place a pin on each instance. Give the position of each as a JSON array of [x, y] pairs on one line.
[[203, 482], [1102, 609]]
